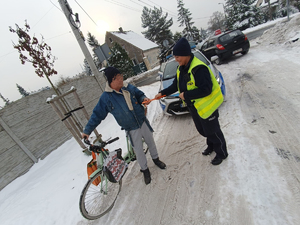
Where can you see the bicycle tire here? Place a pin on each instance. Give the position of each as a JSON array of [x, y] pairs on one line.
[[94, 202]]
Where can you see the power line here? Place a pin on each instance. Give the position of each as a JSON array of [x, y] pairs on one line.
[[58, 35], [202, 18], [173, 14], [86, 12], [123, 5], [56, 6], [42, 17]]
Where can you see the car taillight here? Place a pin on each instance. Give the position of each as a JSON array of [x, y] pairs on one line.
[[220, 47], [246, 38]]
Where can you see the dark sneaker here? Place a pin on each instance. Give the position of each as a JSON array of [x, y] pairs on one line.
[[159, 163], [207, 151], [147, 176], [218, 160]]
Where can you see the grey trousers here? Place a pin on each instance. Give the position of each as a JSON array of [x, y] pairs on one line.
[[137, 143]]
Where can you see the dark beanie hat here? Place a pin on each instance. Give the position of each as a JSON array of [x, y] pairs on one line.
[[110, 72], [182, 48]]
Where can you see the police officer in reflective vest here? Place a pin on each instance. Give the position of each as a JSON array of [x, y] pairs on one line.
[[200, 90]]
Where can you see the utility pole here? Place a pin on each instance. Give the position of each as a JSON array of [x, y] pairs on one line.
[[78, 34], [288, 9]]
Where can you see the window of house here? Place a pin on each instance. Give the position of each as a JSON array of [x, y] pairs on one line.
[[111, 41], [134, 62]]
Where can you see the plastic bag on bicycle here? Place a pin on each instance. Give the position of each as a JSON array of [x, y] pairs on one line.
[[114, 168]]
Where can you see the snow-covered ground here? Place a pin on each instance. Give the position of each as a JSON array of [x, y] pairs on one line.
[[257, 184]]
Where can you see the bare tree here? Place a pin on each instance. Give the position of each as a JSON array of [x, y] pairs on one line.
[[39, 54], [217, 21]]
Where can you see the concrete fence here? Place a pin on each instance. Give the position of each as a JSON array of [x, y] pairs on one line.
[[30, 129]]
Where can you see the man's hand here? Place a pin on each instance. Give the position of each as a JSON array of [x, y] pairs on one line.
[[84, 136], [158, 95], [181, 95], [146, 101]]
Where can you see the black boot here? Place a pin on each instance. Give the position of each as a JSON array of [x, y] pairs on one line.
[[147, 176], [159, 163], [207, 151], [218, 160]]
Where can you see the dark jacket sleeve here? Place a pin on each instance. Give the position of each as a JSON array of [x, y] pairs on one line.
[[202, 81], [171, 89]]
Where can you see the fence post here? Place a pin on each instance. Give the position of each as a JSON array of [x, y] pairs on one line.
[[18, 141]]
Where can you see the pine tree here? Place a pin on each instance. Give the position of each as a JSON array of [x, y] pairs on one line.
[[93, 43], [184, 18], [7, 102], [87, 68], [22, 91], [177, 36], [158, 27], [121, 61], [243, 14], [282, 8]]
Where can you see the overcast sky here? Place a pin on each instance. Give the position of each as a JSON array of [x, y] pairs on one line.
[[46, 18]]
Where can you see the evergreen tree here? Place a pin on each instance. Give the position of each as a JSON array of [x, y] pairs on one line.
[[203, 34], [158, 27], [93, 43], [22, 91], [282, 8], [7, 102], [87, 68], [243, 14], [177, 36], [121, 61], [184, 18]]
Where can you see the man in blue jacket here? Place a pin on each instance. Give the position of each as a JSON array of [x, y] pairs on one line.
[[124, 102]]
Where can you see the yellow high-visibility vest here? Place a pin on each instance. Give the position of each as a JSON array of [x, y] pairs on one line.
[[207, 105]]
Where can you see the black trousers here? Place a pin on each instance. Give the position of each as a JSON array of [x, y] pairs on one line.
[[210, 128]]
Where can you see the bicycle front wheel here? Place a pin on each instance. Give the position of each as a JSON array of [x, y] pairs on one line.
[[98, 197]]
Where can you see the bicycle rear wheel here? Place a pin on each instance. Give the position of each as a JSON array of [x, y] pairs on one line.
[[97, 200]]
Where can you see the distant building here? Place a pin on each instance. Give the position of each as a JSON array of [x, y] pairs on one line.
[[271, 8], [138, 48], [264, 3]]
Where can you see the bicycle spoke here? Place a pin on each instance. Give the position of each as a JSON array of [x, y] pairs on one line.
[[95, 201]]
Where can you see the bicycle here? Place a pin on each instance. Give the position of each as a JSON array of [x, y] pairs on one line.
[[97, 200]]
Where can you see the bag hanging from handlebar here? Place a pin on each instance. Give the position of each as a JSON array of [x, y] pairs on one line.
[[91, 167], [114, 168]]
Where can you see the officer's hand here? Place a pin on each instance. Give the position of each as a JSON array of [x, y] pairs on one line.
[[158, 95], [181, 95]]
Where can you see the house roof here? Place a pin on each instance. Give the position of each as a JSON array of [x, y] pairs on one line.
[[135, 39]]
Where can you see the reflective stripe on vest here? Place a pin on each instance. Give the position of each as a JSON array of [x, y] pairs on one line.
[[207, 105]]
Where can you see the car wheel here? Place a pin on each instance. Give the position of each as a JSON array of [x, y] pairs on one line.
[[245, 52]]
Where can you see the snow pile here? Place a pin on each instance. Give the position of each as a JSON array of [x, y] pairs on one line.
[[283, 32]]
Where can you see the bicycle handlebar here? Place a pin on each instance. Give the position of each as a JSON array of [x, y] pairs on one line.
[[98, 148], [113, 140]]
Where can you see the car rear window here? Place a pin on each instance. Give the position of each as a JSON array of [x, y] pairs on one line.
[[229, 36]]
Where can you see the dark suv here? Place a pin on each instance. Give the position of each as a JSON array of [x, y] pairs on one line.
[[225, 45]]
